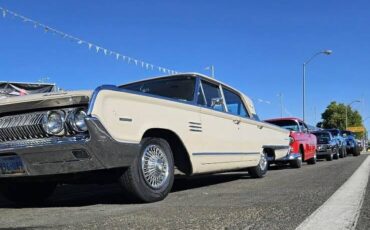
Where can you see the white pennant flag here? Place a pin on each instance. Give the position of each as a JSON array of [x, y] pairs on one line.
[[142, 64], [135, 62], [4, 13], [97, 49], [147, 66], [152, 66], [160, 69], [80, 42], [117, 56], [129, 60], [105, 51], [90, 45], [124, 58]]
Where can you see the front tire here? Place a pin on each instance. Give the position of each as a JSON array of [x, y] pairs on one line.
[[296, 163], [329, 157], [336, 155], [27, 193], [312, 160], [151, 175], [260, 170]]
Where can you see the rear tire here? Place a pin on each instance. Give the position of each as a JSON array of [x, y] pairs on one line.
[[27, 193], [151, 175], [260, 170]]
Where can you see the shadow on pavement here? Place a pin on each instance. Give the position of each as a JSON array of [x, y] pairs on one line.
[[85, 195]]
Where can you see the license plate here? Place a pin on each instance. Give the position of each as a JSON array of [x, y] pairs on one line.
[[11, 165]]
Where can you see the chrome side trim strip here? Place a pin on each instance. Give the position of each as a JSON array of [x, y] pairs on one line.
[[225, 154]]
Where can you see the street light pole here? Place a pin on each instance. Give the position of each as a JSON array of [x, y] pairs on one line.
[[349, 105], [326, 52]]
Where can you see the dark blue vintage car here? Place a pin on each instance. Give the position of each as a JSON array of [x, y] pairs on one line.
[[327, 146]]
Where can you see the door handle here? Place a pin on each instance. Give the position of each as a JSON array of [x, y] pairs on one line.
[[236, 122]]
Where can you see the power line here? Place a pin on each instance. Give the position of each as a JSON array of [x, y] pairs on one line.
[[89, 45]]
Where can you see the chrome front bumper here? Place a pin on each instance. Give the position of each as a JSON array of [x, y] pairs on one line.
[[55, 156]]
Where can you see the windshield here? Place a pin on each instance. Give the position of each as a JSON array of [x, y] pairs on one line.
[[179, 88], [334, 132], [322, 138], [286, 124]]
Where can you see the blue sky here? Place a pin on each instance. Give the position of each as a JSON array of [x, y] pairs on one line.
[[255, 46]]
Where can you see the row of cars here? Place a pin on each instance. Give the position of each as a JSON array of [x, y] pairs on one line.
[[140, 134], [308, 145]]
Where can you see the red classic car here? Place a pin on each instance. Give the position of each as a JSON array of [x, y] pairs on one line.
[[303, 144]]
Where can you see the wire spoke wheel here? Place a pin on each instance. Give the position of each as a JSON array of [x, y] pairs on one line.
[[155, 167], [263, 162]]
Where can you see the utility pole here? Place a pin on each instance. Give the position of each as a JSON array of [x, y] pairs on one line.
[[280, 95], [43, 79], [212, 69]]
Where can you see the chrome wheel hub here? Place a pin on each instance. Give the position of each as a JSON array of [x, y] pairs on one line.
[[263, 161], [154, 165]]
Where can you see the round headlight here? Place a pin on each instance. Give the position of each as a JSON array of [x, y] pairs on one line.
[[77, 120], [53, 123]]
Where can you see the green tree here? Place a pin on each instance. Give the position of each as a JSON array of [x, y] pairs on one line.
[[335, 116]]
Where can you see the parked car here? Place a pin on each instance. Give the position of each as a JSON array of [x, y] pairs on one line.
[[303, 143], [136, 133], [352, 146], [327, 145], [336, 133]]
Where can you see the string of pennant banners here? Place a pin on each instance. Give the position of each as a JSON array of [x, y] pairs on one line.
[[91, 46]]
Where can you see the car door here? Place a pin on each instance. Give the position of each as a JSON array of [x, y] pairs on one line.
[[250, 133], [221, 144], [309, 140]]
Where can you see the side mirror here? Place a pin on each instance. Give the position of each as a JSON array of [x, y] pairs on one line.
[[217, 101]]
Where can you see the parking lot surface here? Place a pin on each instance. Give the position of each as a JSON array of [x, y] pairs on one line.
[[281, 200]]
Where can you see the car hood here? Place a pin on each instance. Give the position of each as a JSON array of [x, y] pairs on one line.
[[44, 100]]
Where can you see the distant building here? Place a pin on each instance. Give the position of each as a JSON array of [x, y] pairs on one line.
[[12, 89]]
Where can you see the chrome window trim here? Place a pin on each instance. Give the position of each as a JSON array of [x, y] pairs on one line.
[[193, 103], [223, 98], [241, 99]]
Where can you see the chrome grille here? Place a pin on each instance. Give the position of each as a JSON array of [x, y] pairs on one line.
[[22, 126]]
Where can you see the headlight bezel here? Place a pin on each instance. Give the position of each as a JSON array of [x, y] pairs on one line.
[[73, 123], [46, 121]]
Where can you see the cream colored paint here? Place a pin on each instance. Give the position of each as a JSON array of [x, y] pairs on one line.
[[219, 132]]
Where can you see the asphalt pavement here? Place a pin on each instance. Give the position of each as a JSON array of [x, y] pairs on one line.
[[281, 200]]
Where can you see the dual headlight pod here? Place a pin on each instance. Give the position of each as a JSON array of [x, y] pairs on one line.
[[55, 122]]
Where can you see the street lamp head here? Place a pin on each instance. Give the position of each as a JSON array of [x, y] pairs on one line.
[[327, 52]]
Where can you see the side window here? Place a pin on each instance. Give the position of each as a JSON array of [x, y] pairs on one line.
[[234, 103], [212, 96], [303, 127]]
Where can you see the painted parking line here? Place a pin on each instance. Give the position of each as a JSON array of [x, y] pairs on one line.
[[342, 209]]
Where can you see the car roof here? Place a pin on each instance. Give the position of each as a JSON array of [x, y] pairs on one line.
[[285, 118], [247, 99]]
